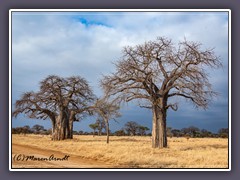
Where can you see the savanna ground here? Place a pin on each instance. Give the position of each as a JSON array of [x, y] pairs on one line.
[[121, 152]]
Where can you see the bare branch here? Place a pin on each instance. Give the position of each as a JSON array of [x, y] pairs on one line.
[[151, 70]]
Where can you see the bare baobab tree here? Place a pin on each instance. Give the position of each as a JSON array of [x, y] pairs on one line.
[[157, 71], [62, 100]]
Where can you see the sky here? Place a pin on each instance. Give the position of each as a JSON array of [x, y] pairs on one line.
[[88, 43]]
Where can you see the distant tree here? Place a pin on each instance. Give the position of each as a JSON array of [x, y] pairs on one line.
[[206, 133], [149, 134], [215, 135], [101, 125], [131, 128], [49, 132], [223, 132], [120, 133], [37, 129], [185, 131], [169, 132], [176, 132], [62, 100], [26, 130], [86, 133], [157, 71], [22, 130], [80, 132], [94, 127], [14, 131], [75, 133], [107, 109], [193, 131], [142, 130]]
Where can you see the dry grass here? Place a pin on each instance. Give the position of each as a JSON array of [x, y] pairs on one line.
[[133, 152]]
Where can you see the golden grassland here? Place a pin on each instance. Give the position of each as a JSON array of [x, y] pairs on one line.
[[136, 152]]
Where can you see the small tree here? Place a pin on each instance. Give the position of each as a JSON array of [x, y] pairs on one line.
[[49, 131], [120, 133], [142, 130], [185, 131], [131, 128], [22, 130], [37, 129], [176, 132], [100, 125], [157, 71], [206, 133], [94, 127], [169, 132], [107, 109], [223, 132], [193, 131]]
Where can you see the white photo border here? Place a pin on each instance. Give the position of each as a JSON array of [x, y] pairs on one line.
[[119, 10]]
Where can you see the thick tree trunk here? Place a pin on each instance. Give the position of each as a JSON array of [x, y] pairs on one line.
[[162, 130], [71, 120], [70, 133], [53, 128], [155, 128], [159, 132], [61, 128]]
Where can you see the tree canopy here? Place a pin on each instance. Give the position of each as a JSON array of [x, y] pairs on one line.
[[62, 100], [156, 71]]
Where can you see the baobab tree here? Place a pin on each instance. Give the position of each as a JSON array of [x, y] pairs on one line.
[[62, 100], [157, 71], [107, 109]]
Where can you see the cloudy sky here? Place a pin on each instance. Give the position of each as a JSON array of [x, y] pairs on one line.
[[88, 43]]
